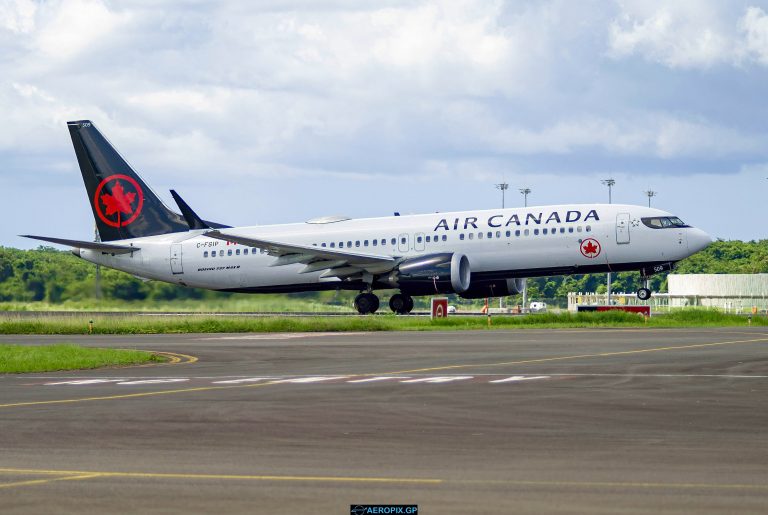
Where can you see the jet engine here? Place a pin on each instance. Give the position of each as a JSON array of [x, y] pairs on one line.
[[498, 288], [433, 273]]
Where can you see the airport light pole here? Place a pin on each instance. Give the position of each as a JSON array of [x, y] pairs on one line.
[[503, 186], [609, 183], [525, 192], [650, 193]]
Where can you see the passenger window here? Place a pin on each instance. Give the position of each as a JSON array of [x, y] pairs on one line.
[[418, 239], [461, 236], [479, 236], [517, 232], [245, 252], [357, 243], [254, 251], [589, 228], [508, 234], [544, 231], [375, 243], [237, 252], [536, 232], [471, 235], [205, 254], [402, 240], [562, 230], [322, 244], [341, 244], [365, 243], [578, 229], [445, 238], [229, 252], [570, 229], [394, 241], [527, 232], [490, 234], [333, 245], [349, 244], [428, 239]]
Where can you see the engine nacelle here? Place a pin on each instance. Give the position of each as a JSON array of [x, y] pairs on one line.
[[433, 273], [499, 288]]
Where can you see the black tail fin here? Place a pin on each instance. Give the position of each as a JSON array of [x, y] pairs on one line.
[[123, 205]]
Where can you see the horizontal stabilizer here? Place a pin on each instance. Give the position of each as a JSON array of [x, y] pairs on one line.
[[90, 245]]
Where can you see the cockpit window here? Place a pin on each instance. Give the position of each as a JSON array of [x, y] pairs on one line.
[[663, 222]]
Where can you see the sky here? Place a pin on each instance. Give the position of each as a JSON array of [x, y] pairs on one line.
[[280, 111]]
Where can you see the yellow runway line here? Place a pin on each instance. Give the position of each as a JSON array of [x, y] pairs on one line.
[[81, 474]]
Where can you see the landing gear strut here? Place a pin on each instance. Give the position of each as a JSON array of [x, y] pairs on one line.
[[644, 293], [366, 303], [401, 303]]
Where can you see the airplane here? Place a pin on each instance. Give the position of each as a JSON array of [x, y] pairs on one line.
[[475, 254]]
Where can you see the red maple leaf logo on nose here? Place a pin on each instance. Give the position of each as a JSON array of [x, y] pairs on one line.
[[589, 248], [119, 201]]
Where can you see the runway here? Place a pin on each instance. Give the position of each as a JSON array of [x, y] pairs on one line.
[[523, 421]]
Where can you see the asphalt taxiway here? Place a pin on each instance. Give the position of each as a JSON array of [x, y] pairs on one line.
[[554, 421]]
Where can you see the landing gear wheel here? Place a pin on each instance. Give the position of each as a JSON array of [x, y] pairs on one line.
[[366, 303], [643, 294], [401, 304]]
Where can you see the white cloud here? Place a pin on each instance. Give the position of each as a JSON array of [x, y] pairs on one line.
[[70, 26], [18, 16], [755, 25], [681, 34]]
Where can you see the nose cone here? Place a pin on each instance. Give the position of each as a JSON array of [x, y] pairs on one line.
[[698, 240]]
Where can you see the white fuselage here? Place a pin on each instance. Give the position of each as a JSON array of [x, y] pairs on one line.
[[499, 243]]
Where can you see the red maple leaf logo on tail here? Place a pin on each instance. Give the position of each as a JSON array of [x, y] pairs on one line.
[[119, 201]]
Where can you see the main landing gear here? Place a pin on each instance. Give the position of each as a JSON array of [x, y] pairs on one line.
[[366, 303], [401, 303]]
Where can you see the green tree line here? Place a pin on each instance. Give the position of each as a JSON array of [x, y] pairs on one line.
[[54, 276]]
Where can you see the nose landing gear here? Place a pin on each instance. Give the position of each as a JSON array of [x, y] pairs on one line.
[[401, 303], [644, 293]]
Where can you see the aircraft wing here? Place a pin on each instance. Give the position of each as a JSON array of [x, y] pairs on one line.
[[336, 262], [91, 245]]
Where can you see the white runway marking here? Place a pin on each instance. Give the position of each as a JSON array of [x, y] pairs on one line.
[[153, 381], [309, 379], [438, 379], [246, 380], [84, 381], [518, 378], [277, 336], [378, 378]]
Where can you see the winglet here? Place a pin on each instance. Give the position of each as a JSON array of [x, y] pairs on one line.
[[193, 221]]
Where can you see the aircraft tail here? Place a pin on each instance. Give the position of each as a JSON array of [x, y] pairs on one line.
[[123, 205]]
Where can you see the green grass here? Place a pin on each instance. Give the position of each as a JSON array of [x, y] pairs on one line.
[[47, 358], [136, 324]]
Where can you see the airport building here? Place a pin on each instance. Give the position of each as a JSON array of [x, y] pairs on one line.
[[735, 293]]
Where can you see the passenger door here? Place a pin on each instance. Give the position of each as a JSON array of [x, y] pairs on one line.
[[176, 264], [622, 228]]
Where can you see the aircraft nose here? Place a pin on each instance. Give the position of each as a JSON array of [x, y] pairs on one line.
[[698, 240]]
